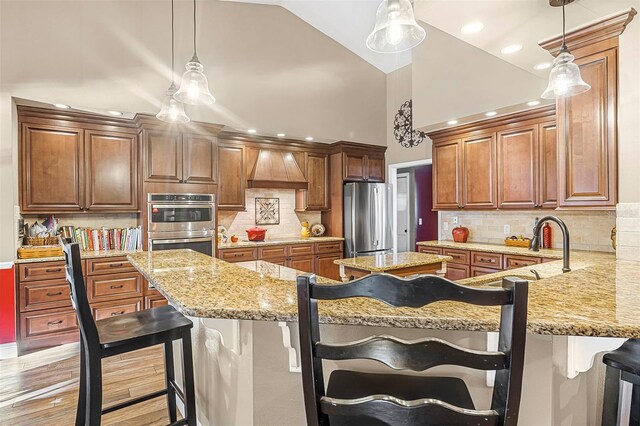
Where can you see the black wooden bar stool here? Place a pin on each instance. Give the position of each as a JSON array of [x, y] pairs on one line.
[[623, 364], [125, 333], [358, 398]]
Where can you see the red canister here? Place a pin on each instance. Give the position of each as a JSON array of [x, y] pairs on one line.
[[546, 236]]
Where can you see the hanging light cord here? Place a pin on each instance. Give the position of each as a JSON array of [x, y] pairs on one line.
[[172, 43], [194, 28], [564, 44]]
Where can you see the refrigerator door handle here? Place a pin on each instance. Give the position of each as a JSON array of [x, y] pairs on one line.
[[376, 202], [372, 223]]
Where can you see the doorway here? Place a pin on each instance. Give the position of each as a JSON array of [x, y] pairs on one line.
[[403, 225]]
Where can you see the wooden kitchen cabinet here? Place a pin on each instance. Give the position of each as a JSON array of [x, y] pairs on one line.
[[447, 175], [52, 168], [479, 172], [325, 267], [457, 272], [518, 168], [316, 197], [232, 182], [302, 263], [360, 166], [375, 168], [548, 165], [199, 163], [111, 161]]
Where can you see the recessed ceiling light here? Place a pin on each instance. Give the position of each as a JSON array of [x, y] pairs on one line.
[[252, 131], [116, 113], [542, 66], [533, 103], [452, 122], [490, 113], [308, 138], [513, 48], [61, 106], [281, 135], [472, 27]]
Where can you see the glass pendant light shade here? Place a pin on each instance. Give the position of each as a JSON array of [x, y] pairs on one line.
[[396, 28], [194, 89], [172, 111], [564, 79]]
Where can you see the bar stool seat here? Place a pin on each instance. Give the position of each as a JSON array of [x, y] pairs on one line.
[[623, 364]]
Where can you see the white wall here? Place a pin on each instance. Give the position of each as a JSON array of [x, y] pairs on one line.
[[268, 70]]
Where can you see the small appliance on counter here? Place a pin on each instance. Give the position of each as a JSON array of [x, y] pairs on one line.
[[256, 233]]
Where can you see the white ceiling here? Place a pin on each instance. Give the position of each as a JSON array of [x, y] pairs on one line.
[[506, 22]]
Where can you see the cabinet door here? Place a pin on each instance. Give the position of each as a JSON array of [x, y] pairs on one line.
[[111, 161], [199, 159], [447, 179], [457, 272], [375, 169], [302, 263], [587, 150], [317, 197], [232, 184], [355, 167], [163, 156], [479, 172], [518, 168], [548, 165], [326, 268], [52, 169]]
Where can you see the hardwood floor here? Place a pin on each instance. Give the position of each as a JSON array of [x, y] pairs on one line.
[[42, 388]]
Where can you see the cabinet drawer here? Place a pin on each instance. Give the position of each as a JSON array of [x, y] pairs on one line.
[[461, 257], [512, 262], [477, 271], [238, 255], [155, 301], [300, 250], [113, 309], [42, 270], [329, 247], [277, 252], [44, 294], [429, 250], [43, 323], [487, 260], [108, 265], [115, 286]]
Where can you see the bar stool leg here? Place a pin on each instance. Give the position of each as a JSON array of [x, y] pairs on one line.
[[634, 418], [81, 410], [169, 380], [189, 384], [93, 373], [611, 399]]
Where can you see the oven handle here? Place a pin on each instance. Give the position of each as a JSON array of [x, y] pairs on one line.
[[181, 240], [180, 206]]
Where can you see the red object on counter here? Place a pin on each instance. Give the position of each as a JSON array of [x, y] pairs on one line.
[[460, 234], [7, 304], [256, 234], [546, 236]]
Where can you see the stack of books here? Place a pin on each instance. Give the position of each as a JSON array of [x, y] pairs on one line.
[[125, 239]]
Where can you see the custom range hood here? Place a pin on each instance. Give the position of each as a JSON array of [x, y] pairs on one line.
[[276, 169]]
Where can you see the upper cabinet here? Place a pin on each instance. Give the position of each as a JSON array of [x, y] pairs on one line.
[[587, 123], [76, 163], [507, 163], [316, 197], [360, 166], [232, 177]]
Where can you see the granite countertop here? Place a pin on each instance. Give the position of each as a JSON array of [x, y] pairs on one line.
[[83, 255], [494, 248], [598, 298], [277, 242], [390, 262]]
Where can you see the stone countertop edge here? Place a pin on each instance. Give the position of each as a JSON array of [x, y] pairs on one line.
[[494, 248], [277, 242], [83, 255], [368, 263]]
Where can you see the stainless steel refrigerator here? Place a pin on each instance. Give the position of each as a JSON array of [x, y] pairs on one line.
[[367, 219]]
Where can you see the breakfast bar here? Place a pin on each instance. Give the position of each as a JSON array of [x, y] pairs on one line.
[[245, 331]]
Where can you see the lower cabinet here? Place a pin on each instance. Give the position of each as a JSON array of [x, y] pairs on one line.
[[45, 315], [302, 263], [326, 268], [457, 272]]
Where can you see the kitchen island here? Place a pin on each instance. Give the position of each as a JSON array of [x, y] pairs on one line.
[[245, 332], [401, 264]]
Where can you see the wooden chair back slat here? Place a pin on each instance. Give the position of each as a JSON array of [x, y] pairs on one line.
[[418, 355], [394, 411], [412, 293]]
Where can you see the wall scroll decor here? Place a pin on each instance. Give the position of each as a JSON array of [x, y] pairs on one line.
[[267, 211], [403, 127]]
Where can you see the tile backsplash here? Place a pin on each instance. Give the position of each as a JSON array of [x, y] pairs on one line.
[[290, 220], [589, 230], [628, 236]]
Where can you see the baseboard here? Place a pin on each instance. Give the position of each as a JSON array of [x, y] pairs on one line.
[[8, 350]]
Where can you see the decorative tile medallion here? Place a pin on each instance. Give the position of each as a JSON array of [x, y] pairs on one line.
[[267, 211]]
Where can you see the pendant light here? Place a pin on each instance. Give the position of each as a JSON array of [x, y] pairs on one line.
[[172, 111], [396, 28], [564, 79], [194, 88]]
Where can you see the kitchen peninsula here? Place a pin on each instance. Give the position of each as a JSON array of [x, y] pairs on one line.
[[401, 264], [243, 317]]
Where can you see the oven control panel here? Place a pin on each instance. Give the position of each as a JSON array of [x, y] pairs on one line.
[[204, 198]]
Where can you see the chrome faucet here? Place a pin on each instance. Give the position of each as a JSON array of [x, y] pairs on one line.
[[535, 241]]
